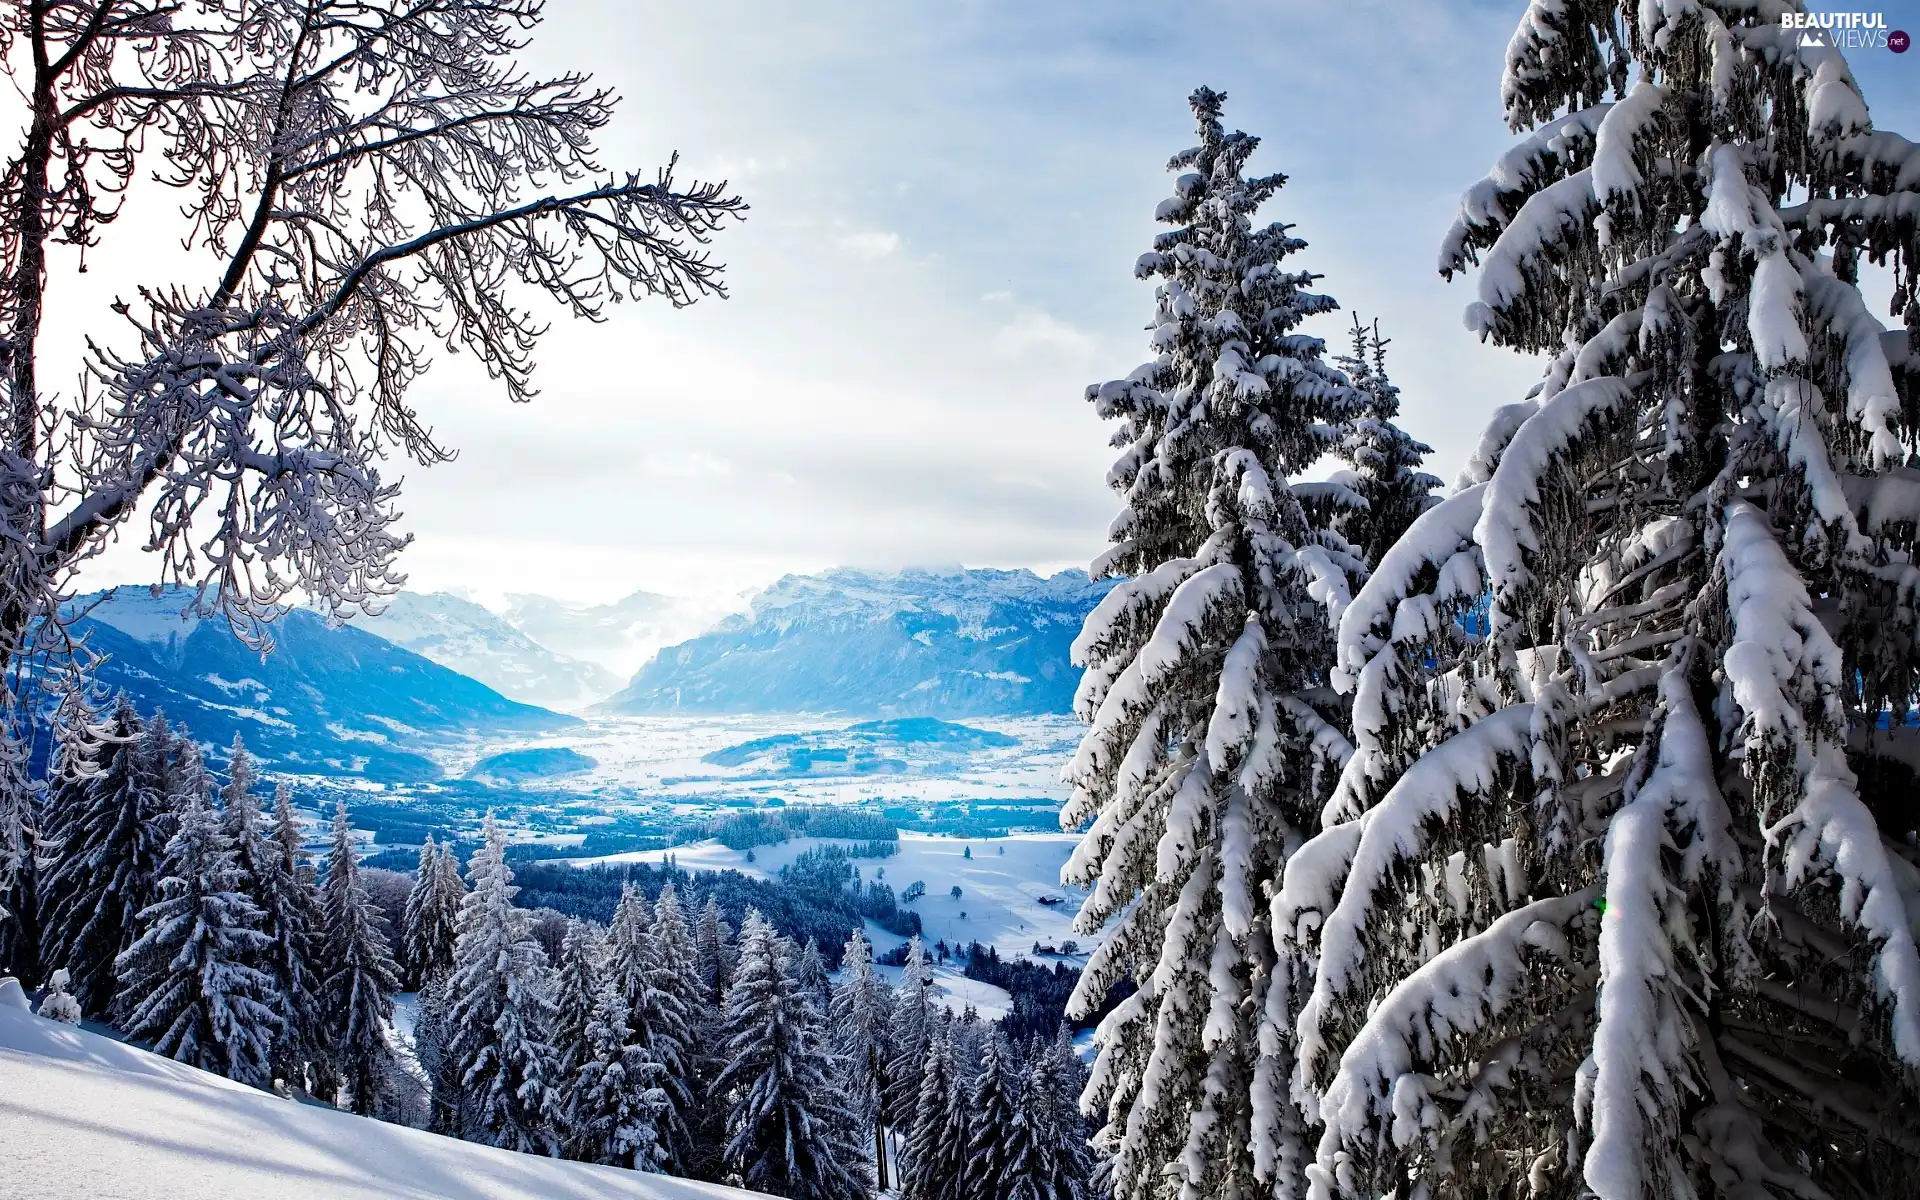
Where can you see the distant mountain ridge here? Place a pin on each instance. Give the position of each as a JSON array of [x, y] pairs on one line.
[[466, 637], [620, 636], [325, 701], [949, 644]]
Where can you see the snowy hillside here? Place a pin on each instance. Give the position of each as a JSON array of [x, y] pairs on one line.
[[465, 637], [1005, 886], [915, 643], [619, 636], [84, 1116], [325, 701]]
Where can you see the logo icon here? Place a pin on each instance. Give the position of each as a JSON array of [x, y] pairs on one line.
[[1813, 39], [1898, 41]]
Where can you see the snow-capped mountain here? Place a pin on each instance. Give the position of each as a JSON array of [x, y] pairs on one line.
[[465, 637], [325, 701], [913, 643], [619, 636]]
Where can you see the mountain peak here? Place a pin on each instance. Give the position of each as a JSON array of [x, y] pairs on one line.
[[914, 642]]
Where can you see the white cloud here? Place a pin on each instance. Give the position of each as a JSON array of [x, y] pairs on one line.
[[1036, 332], [870, 246], [997, 298]]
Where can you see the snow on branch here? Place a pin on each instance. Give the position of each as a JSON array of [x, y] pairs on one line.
[[1385, 1077], [1468, 766], [1506, 532]]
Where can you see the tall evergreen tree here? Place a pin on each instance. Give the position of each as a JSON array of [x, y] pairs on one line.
[[108, 866], [934, 1160], [432, 916], [360, 977], [295, 924], [187, 985], [498, 1006], [811, 970], [1613, 901], [77, 737], [910, 1037], [991, 1109], [432, 1050], [578, 980], [713, 950], [861, 1019], [1213, 741], [679, 1025], [1070, 1160], [630, 952], [1384, 460], [613, 1108], [707, 1131], [791, 1133]]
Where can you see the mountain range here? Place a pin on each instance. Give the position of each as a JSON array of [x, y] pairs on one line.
[[470, 639], [947, 644], [376, 698], [327, 700]]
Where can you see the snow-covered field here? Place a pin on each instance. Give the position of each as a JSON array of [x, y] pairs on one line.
[[660, 758], [83, 1117], [1001, 885]]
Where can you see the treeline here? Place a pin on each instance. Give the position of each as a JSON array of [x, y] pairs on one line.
[[818, 897], [165, 903], [751, 828]]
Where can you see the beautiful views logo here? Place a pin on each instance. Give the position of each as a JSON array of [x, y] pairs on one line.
[[1845, 30]]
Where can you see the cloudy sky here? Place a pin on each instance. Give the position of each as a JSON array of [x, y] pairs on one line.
[[947, 201]]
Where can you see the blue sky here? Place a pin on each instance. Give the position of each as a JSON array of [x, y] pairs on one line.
[[947, 202]]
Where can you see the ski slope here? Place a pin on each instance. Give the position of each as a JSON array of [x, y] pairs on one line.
[[83, 1117]]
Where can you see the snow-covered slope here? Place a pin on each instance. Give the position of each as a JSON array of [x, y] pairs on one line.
[[325, 701], [83, 1117], [1010, 890], [915, 643], [618, 636], [465, 637]]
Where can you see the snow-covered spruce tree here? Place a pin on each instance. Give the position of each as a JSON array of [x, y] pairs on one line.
[[1213, 736], [790, 1131], [358, 976], [173, 767], [910, 1037], [287, 907], [187, 984], [497, 1007], [108, 862], [706, 1123], [432, 917], [56, 1002], [861, 1020], [713, 950], [811, 970], [934, 1159], [992, 1108], [1616, 902], [578, 980], [679, 1026], [295, 922], [613, 1105], [630, 949], [1384, 460], [431, 1050]]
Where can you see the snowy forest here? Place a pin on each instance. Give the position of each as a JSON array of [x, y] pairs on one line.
[[1548, 833]]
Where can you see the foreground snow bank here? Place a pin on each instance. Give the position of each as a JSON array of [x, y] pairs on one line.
[[85, 1116]]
